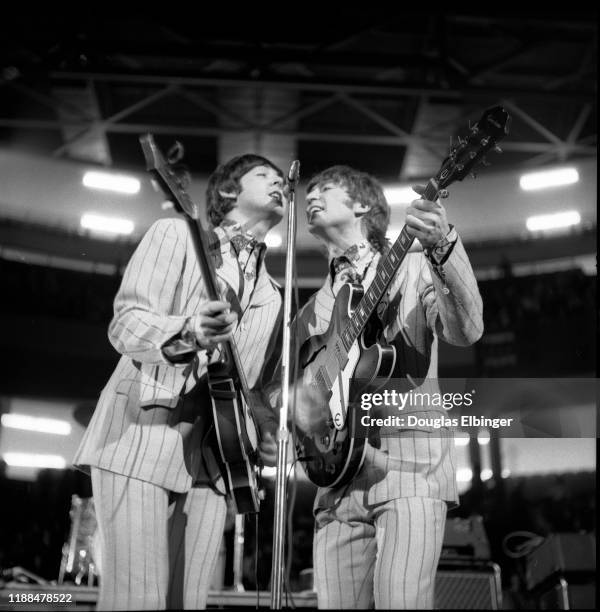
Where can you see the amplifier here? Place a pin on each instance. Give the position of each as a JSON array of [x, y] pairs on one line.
[[468, 587], [564, 596], [465, 538], [561, 553]]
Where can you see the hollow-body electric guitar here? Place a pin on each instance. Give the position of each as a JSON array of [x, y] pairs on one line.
[[236, 432], [350, 358]]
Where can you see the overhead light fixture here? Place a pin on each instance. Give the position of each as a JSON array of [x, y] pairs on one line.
[[548, 178], [461, 438], [35, 461], [29, 423], [273, 240], [107, 181], [399, 195], [109, 225], [464, 475], [553, 221], [486, 474], [483, 437]]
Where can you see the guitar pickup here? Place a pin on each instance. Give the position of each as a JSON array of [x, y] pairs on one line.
[[222, 394]]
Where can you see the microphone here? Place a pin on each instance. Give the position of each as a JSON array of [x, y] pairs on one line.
[[294, 173], [293, 176]]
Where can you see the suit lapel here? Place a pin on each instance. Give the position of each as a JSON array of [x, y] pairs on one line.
[[264, 289]]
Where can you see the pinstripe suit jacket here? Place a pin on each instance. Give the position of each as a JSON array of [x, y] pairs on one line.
[[153, 414], [426, 302]]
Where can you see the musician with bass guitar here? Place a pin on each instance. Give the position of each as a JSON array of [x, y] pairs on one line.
[[158, 488], [379, 527]]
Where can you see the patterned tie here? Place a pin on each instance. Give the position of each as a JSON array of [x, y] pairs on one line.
[[343, 271], [244, 248]]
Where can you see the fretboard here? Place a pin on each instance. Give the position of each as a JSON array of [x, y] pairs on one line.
[[386, 270]]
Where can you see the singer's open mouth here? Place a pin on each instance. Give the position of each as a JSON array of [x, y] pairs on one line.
[[276, 195], [311, 211]]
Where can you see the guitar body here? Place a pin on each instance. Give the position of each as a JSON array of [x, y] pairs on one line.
[[334, 447], [236, 440]]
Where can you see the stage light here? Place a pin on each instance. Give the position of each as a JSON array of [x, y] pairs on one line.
[[486, 474], [464, 475], [548, 178], [29, 423], [505, 473], [273, 240], [35, 461], [109, 225], [399, 195], [461, 438], [111, 182], [553, 221], [483, 437]]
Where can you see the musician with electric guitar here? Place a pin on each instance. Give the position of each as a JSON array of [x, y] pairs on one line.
[[176, 428], [383, 494]]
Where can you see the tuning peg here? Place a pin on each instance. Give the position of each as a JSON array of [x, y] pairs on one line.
[[484, 162], [175, 153], [497, 149], [473, 175]]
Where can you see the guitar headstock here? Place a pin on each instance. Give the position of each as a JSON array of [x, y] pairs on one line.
[[170, 175], [483, 136]]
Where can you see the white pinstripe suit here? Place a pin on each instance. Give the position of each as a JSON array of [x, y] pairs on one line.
[[378, 539], [145, 436]]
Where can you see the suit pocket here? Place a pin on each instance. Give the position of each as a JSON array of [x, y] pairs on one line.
[[161, 385]]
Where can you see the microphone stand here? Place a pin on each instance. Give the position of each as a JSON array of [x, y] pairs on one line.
[[283, 433]]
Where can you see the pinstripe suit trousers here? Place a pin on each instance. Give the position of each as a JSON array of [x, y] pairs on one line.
[[385, 555], [155, 555]]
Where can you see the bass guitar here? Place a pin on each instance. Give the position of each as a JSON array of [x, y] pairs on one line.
[[236, 431], [350, 359]]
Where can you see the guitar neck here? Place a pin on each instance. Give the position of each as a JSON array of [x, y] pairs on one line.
[[386, 270], [172, 185], [229, 348]]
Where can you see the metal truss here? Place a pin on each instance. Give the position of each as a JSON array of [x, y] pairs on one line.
[[353, 96]]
